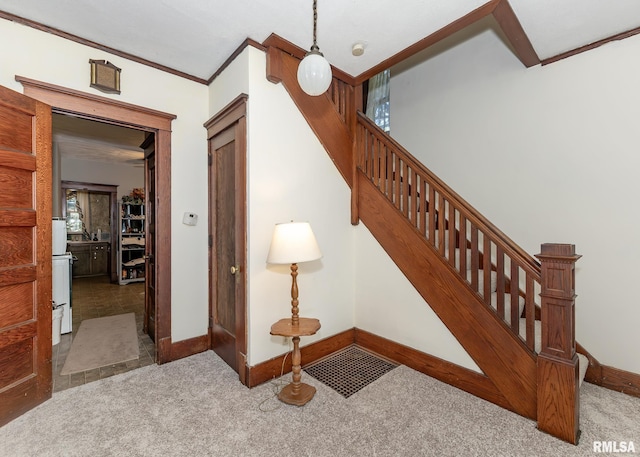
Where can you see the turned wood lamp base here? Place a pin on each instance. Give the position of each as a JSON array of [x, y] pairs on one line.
[[302, 397], [296, 393]]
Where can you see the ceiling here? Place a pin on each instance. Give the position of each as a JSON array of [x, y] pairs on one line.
[[195, 37], [85, 139]]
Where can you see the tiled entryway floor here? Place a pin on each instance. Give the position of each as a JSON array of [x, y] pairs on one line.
[[97, 297]]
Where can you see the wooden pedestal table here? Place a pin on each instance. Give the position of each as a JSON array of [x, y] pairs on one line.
[[296, 393]]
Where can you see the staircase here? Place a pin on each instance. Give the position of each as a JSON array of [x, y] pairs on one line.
[[511, 312]]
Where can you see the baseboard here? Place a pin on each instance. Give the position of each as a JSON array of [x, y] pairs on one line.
[[620, 381], [609, 377], [184, 348], [273, 368], [462, 378], [468, 380]]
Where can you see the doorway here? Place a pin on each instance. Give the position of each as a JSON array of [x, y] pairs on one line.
[[105, 237], [114, 112]]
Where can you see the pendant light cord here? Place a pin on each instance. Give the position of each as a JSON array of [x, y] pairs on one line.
[[315, 24]]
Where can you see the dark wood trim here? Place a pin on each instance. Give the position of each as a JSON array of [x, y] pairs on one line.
[[163, 239], [101, 47], [227, 116], [274, 65], [273, 368], [594, 370], [430, 40], [88, 186], [510, 25], [96, 107], [462, 378], [163, 349], [609, 377], [320, 113], [497, 351], [558, 373], [620, 381], [589, 47], [186, 348], [234, 54], [276, 41], [241, 206], [69, 101], [501, 10], [233, 115]]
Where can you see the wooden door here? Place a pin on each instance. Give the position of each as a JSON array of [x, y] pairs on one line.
[[25, 254], [150, 237], [227, 231]]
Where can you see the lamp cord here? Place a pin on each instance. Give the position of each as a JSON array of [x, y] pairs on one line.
[[277, 386]]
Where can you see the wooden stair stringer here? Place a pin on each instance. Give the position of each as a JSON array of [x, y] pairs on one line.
[[502, 357], [319, 112]]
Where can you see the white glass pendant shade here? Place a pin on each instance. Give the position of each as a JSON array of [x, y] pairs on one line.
[[314, 74]]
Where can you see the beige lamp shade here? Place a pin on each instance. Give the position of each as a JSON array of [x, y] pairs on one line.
[[293, 242]]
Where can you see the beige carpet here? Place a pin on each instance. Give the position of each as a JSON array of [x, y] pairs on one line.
[[101, 342], [196, 407]]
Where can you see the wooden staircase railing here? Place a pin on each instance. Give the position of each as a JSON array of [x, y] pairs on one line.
[[478, 281], [481, 255], [454, 228]]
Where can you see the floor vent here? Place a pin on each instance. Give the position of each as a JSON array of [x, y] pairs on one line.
[[349, 370]]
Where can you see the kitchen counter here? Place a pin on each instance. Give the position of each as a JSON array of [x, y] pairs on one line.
[[75, 243]]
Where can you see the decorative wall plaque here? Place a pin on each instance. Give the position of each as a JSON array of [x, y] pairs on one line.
[[105, 76]]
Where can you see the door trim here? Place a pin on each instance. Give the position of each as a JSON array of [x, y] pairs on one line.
[[80, 104], [234, 113]]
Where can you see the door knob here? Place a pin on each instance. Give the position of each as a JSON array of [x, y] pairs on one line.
[[235, 269]]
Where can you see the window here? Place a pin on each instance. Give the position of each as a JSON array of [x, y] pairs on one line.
[[378, 100]]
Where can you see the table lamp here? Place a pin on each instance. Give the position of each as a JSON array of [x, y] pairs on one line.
[[294, 243]]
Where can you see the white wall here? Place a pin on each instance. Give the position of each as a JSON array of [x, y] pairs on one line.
[[388, 305], [126, 177], [549, 154], [42, 56], [290, 177]]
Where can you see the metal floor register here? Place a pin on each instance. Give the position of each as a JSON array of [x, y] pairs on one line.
[[349, 370]]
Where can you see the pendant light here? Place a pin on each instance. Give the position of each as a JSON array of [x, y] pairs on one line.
[[314, 72]]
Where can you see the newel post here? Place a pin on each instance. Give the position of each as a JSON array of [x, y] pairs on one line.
[[558, 392]]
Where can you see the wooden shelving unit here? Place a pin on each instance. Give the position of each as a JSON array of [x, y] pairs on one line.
[[131, 245]]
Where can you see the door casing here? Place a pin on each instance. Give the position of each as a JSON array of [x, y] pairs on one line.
[[233, 116], [80, 104]]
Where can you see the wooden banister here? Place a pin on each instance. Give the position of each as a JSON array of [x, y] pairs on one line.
[[483, 256]]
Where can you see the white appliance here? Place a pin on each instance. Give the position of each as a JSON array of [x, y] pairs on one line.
[[59, 237], [61, 273]]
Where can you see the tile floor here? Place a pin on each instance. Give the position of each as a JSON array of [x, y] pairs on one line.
[[97, 297]]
